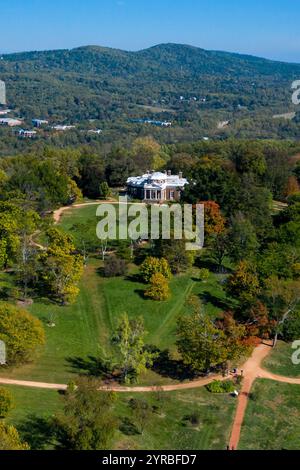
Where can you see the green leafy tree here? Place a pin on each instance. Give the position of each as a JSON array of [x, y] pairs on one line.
[[174, 251], [9, 237], [87, 421], [242, 239], [141, 411], [249, 158], [283, 298], [219, 248], [134, 356], [148, 154], [104, 190], [291, 327], [27, 256], [204, 344], [200, 342]]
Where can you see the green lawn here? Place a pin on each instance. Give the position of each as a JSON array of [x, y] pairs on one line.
[[166, 428], [81, 215], [33, 408], [85, 328], [272, 420], [83, 331], [280, 361]]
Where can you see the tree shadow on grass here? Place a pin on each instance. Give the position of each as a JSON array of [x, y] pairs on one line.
[[94, 367], [174, 369], [212, 266], [38, 432], [140, 293], [100, 271], [218, 302], [128, 428], [134, 278], [141, 254]]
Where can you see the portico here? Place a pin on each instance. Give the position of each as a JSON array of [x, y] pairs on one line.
[[156, 186]]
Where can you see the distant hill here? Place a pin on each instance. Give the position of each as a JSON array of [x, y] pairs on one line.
[[199, 87]]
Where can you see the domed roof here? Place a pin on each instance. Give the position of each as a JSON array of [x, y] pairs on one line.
[[157, 176]]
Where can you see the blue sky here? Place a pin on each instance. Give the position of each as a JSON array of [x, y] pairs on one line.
[[268, 28]]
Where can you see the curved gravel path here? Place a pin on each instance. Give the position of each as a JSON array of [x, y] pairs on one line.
[[253, 370]]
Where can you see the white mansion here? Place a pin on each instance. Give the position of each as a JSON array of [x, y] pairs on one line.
[[156, 186]]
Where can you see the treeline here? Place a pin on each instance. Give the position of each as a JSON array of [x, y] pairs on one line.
[[219, 170]]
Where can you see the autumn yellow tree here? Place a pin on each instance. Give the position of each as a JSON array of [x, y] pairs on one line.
[[22, 333], [61, 267], [10, 439], [158, 288], [243, 284], [153, 265]]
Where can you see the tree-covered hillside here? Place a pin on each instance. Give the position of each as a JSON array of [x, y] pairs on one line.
[[197, 90]]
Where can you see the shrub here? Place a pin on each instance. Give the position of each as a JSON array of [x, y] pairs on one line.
[[71, 387], [203, 274], [115, 267], [253, 396], [193, 418], [219, 386], [159, 288], [153, 266], [239, 380], [6, 402], [10, 439], [104, 190]]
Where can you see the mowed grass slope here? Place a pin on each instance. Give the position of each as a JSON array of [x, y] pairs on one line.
[[83, 330], [272, 420], [170, 429], [167, 428]]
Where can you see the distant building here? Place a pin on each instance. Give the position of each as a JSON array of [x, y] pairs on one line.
[[153, 122], [156, 187], [62, 127], [95, 131], [10, 122], [27, 134], [39, 122], [2, 93]]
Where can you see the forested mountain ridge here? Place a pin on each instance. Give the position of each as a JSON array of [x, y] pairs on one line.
[[164, 56], [192, 87]]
